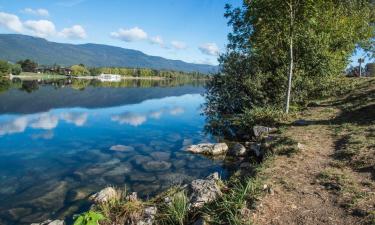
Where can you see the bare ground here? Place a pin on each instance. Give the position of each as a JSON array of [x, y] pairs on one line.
[[312, 186]]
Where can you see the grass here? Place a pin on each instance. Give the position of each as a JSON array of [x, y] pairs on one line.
[[175, 211]]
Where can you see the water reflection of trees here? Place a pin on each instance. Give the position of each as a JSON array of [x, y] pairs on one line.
[[80, 84]]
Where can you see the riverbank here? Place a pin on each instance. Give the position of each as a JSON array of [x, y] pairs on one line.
[[318, 168]]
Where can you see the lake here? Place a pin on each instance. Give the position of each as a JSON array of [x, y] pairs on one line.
[[62, 140]]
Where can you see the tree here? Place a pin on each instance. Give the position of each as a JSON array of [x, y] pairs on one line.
[[16, 69], [4, 68], [279, 44], [79, 70], [28, 65]]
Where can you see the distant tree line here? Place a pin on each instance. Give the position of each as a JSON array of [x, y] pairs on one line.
[[28, 65]]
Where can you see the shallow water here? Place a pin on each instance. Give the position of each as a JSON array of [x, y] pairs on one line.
[[60, 143]]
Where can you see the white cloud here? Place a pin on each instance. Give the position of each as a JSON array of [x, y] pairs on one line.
[[176, 110], [209, 49], [45, 121], [15, 126], [178, 45], [76, 118], [157, 40], [37, 12], [129, 35], [11, 22], [74, 32], [130, 118], [41, 28]]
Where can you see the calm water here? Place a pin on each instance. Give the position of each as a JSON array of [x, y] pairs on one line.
[[61, 141]]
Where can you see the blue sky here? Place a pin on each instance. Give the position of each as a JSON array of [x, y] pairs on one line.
[[190, 30]]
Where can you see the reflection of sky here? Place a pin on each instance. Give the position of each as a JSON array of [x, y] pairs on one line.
[[149, 114]]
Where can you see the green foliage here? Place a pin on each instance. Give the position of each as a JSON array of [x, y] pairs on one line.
[[228, 209], [255, 67], [28, 65], [176, 211], [4, 68], [267, 116], [79, 70], [89, 218], [16, 69]]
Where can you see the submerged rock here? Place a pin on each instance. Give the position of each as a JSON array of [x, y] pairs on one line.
[[156, 165], [104, 195], [121, 148], [238, 150], [204, 190], [161, 155], [209, 149]]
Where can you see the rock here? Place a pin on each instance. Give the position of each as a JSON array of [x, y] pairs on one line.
[[300, 146], [50, 222], [142, 177], [200, 221], [238, 150], [148, 216], [255, 147], [245, 165], [133, 197], [260, 131], [209, 149], [156, 165], [121, 148], [140, 159], [204, 191], [77, 194], [161, 155], [119, 170], [104, 195]]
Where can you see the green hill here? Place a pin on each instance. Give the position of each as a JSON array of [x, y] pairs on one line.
[[14, 47]]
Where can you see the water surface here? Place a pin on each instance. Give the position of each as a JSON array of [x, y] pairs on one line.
[[61, 141]]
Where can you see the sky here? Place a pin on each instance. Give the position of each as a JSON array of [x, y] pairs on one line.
[[189, 30]]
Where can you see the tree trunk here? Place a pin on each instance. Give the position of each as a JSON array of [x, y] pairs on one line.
[[291, 62]]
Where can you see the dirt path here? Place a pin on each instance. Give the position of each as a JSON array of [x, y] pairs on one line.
[[298, 197]]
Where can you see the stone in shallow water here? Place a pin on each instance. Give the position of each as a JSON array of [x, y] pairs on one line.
[[78, 194], [53, 199], [140, 159], [121, 148], [146, 189], [104, 195], [138, 176], [17, 213], [179, 163], [161, 155], [121, 169], [156, 165], [209, 149]]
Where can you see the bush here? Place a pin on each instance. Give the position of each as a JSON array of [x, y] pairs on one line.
[[16, 69], [4, 68]]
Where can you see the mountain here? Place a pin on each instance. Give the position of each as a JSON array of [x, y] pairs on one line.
[[14, 47]]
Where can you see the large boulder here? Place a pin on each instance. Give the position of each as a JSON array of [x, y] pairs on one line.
[[105, 195], [209, 149], [204, 190]]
